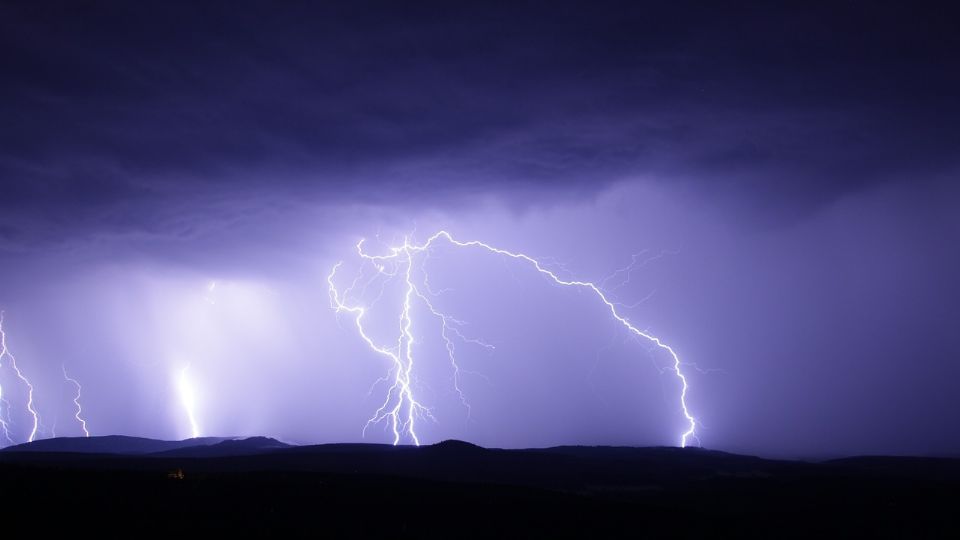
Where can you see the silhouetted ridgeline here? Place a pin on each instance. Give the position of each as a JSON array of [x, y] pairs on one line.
[[262, 485]]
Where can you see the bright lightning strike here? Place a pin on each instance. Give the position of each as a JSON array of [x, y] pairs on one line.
[[185, 388], [78, 414], [400, 408], [403, 413], [5, 353]]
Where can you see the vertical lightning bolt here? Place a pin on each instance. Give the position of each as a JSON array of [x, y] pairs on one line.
[[5, 353], [185, 388], [400, 407], [78, 414], [5, 417]]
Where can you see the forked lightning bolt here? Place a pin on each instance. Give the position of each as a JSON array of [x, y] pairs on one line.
[[403, 413], [12, 361], [400, 407], [78, 414]]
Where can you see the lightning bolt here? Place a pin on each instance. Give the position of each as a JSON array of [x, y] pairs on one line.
[[5, 417], [76, 401], [400, 407], [185, 388], [406, 409], [5, 353]]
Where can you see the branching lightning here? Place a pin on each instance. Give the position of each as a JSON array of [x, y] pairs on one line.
[[78, 414], [400, 408], [12, 361]]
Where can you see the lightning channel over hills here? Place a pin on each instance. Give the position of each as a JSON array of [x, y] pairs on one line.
[[78, 413], [7, 358], [400, 408]]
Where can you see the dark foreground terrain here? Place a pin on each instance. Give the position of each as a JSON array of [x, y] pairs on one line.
[[136, 487]]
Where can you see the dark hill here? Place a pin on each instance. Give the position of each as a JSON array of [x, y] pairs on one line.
[[454, 444], [230, 447], [109, 444]]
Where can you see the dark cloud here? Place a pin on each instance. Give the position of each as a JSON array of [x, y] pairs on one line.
[[117, 104]]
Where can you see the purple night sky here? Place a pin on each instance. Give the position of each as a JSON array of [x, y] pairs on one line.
[[790, 178]]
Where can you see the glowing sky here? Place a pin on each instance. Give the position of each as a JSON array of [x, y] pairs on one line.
[[176, 183]]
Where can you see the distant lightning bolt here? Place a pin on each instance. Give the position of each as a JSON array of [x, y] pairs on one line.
[[400, 407], [76, 401], [5, 353], [5, 417], [209, 298], [185, 388]]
